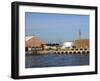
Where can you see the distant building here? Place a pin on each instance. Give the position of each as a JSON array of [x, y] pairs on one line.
[[52, 46], [81, 43], [67, 44], [32, 42]]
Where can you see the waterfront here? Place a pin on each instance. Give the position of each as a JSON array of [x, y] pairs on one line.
[[56, 60]]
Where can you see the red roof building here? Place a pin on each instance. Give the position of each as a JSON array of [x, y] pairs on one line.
[[32, 41]]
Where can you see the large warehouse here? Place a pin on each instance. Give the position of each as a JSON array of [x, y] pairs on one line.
[[81, 43], [32, 41]]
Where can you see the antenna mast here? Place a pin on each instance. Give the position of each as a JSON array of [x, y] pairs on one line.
[[80, 34]]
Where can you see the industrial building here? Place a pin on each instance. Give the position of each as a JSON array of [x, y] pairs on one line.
[[67, 44], [81, 43], [32, 42], [76, 44]]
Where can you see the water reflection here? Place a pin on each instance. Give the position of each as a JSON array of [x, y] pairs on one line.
[[53, 60]]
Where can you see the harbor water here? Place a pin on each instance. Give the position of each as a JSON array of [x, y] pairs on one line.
[[54, 60]]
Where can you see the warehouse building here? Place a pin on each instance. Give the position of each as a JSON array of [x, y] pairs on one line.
[[76, 44], [67, 44], [32, 42], [81, 43]]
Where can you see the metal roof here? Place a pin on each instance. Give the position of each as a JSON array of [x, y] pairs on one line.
[[28, 38]]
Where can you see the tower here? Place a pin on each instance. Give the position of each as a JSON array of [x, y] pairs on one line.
[[79, 33]]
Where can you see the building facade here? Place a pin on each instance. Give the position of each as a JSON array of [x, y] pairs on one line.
[[81, 43], [32, 42]]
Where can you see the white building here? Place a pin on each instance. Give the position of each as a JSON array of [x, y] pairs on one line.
[[68, 44]]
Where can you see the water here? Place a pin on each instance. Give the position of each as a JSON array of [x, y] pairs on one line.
[[54, 60]]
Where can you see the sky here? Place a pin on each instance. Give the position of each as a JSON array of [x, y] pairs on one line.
[[55, 28]]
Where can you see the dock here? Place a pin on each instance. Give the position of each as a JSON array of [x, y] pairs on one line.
[[69, 51]]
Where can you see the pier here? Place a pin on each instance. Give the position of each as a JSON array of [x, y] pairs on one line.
[[68, 51], [71, 52]]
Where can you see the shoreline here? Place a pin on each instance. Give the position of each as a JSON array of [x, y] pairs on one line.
[[57, 53]]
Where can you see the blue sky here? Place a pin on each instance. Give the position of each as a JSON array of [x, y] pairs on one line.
[[56, 28]]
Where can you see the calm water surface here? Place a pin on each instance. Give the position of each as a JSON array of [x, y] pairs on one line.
[[54, 60]]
